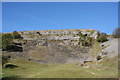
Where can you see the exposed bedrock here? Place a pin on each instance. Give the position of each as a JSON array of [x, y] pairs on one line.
[[58, 34], [55, 46]]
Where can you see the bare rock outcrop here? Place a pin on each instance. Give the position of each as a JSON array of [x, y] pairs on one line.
[[56, 46], [58, 34], [55, 52], [111, 48]]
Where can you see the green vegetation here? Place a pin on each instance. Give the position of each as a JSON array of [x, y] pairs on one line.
[[85, 40], [105, 67], [28, 69], [95, 50], [16, 35], [102, 38], [91, 31], [116, 33], [96, 69], [81, 35], [7, 41], [5, 59]]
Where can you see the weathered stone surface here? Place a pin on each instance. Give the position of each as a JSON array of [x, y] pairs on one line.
[[95, 35], [58, 34], [55, 46], [55, 51], [111, 49]]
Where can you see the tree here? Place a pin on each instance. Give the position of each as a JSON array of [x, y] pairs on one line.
[[116, 33], [16, 35], [103, 33], [7, 41]]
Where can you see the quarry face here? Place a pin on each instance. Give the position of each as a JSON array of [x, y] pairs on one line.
[[57, 46], [54, 46]]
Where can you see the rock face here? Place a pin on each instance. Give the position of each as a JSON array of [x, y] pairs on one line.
[[49, 51], [56, 46], [63, 46], [58, 34], [111, 49]]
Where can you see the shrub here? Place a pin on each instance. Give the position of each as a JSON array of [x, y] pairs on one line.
[[7, 41], [16, 35], [81, 35], [102, 38], [86, 43], [85, 40], [89, 38], [116, 33]]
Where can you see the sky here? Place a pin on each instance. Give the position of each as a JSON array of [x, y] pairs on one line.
[[29, 16]]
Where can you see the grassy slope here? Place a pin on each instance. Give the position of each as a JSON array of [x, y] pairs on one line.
[[29, 69], [107, 68], [95, 50]]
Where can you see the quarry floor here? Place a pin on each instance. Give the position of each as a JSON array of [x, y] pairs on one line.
[[107, 68]]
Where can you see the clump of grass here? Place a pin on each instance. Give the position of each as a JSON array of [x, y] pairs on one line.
[[102, 38], [91, 31]]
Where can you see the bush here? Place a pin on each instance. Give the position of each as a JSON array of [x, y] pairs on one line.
[[81, 35], [102, 38], [116, 33], [16, 35], [7, 41], [85, 40], [86, 43], [89, 38]]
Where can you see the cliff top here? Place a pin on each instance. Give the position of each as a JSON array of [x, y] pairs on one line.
[[58, 30]]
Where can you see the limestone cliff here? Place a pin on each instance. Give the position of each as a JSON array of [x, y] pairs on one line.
[[70, 34], [56, 46]]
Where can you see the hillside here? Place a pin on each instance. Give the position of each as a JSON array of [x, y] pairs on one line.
[[59, 51]]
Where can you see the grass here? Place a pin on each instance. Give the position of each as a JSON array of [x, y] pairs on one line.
[[107, 68], [95, 51], [91, 31], [28, 69]]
